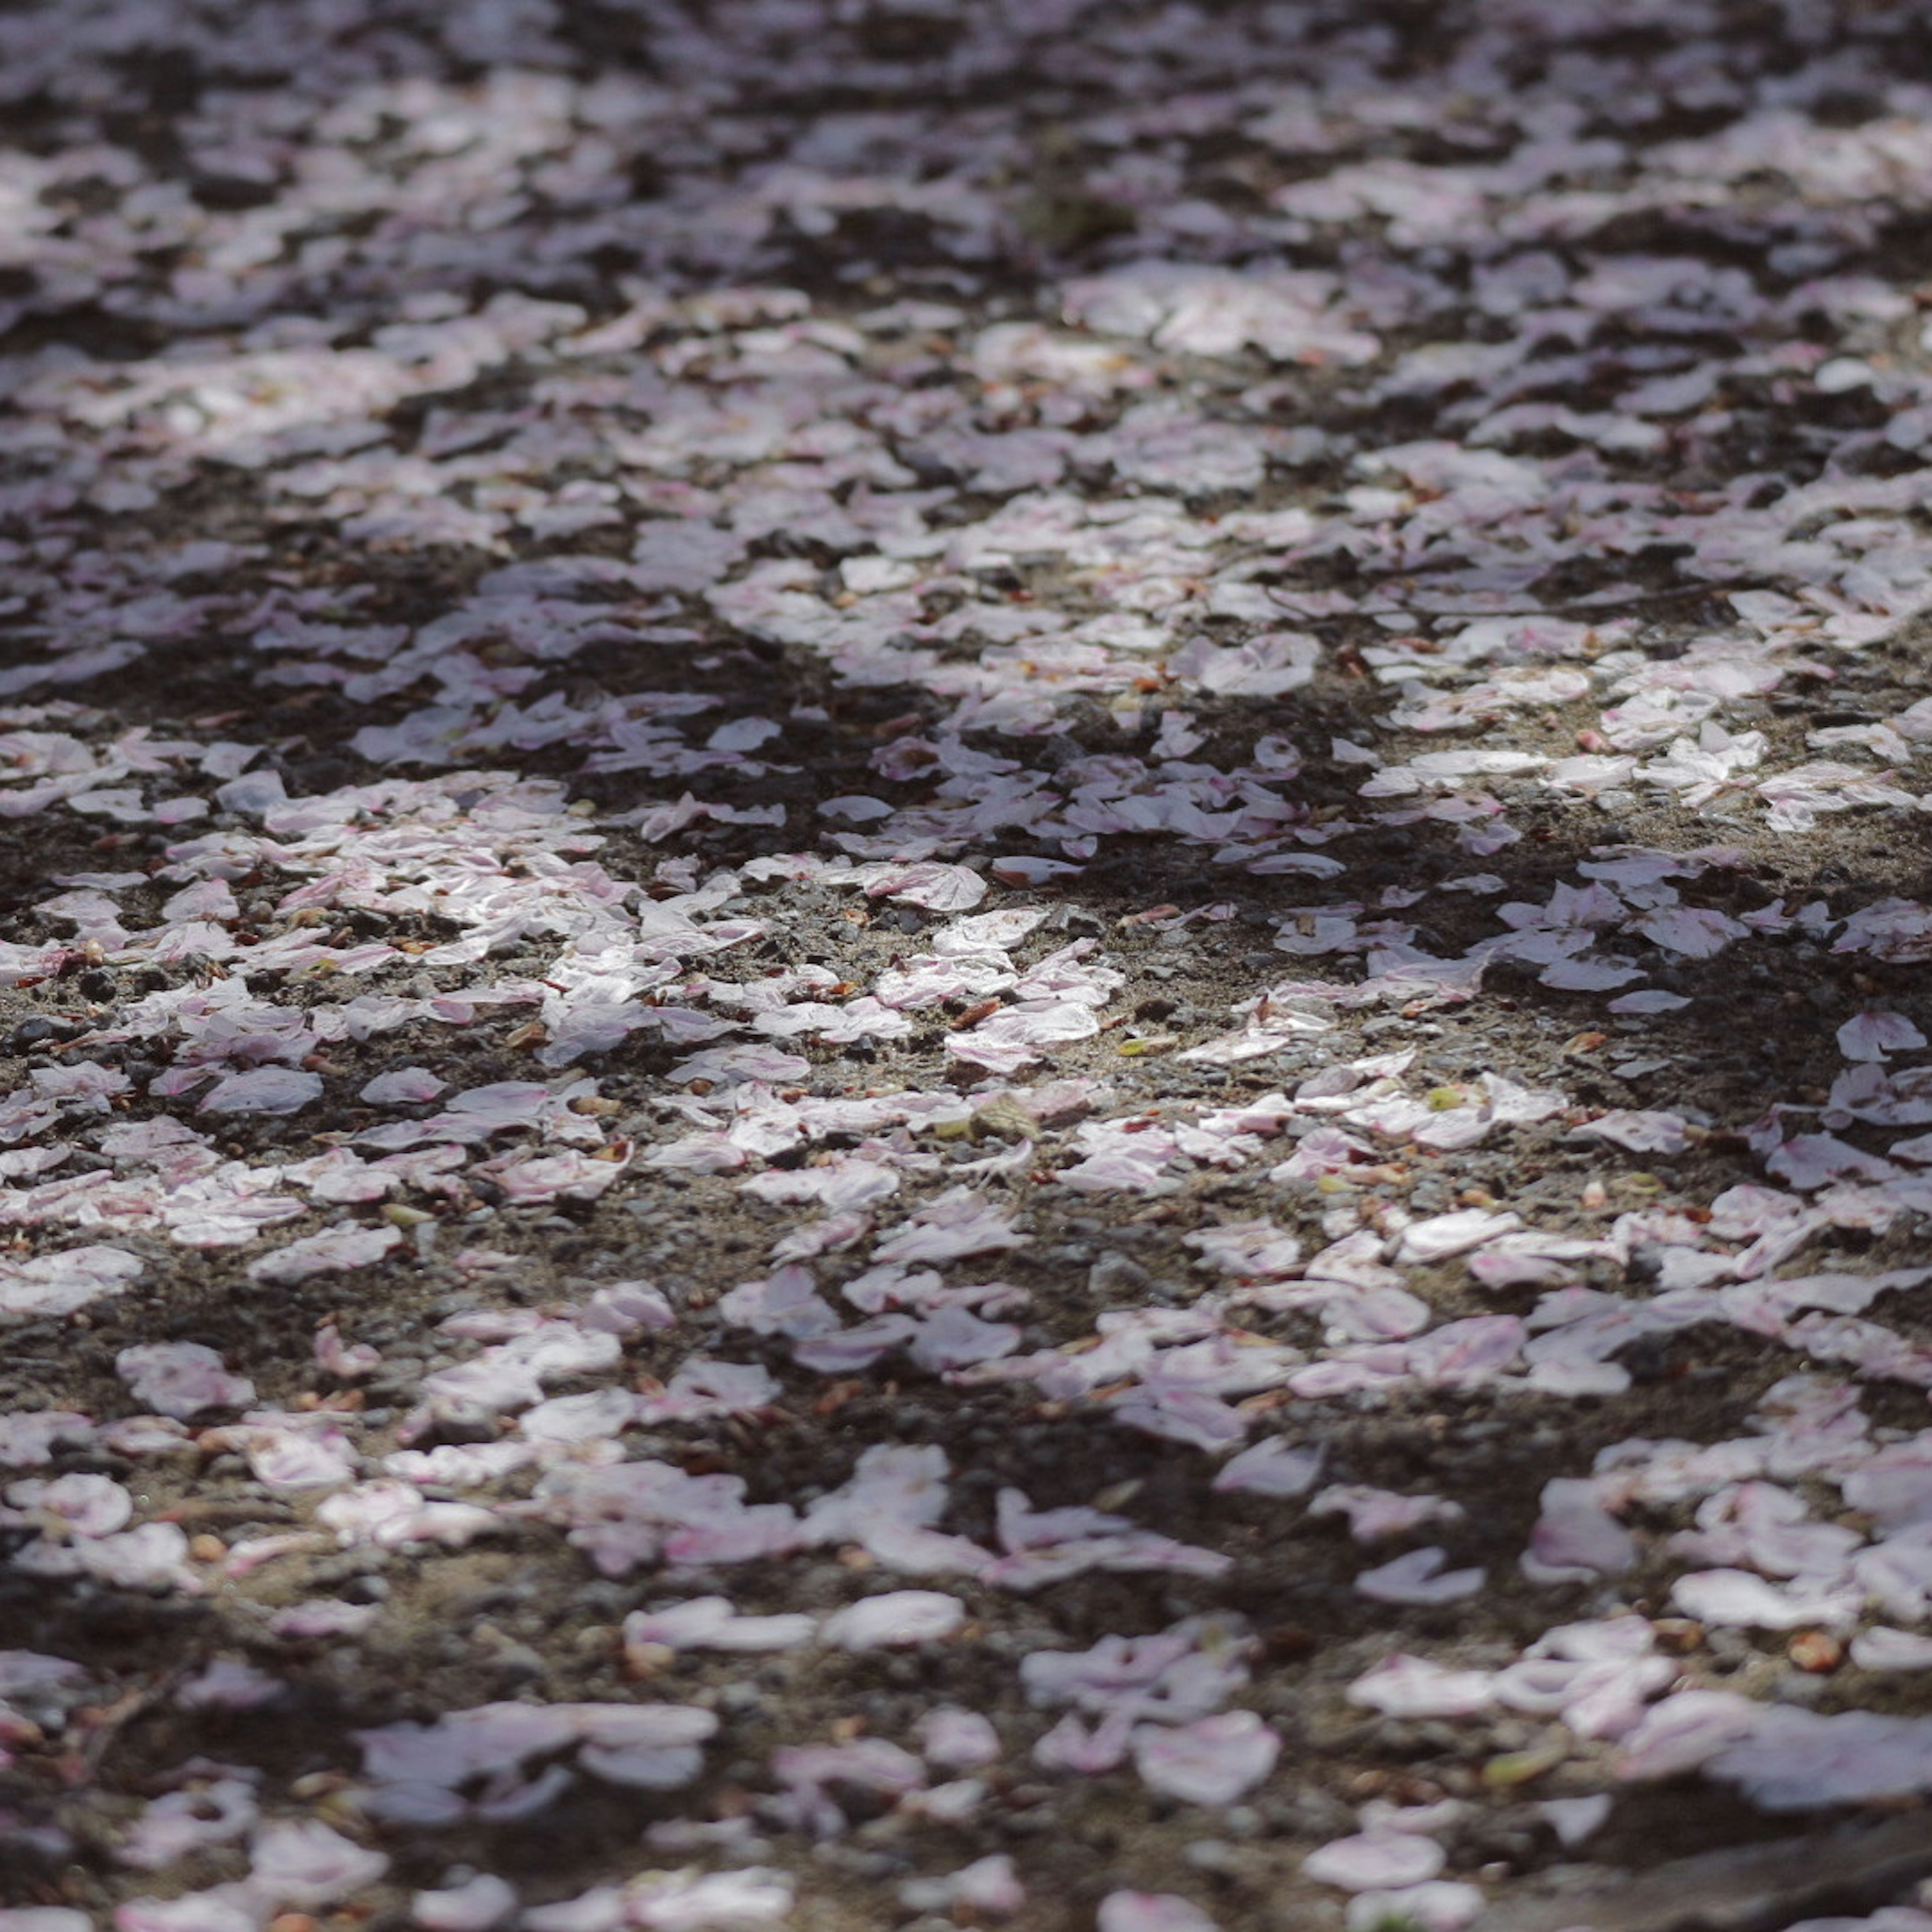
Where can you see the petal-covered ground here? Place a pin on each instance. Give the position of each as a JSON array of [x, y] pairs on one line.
[[964, 964]]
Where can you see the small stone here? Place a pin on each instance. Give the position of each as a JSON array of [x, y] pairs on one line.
[[37, 1032], [1817, 1651], [1679, 1635], [1212, 1855]]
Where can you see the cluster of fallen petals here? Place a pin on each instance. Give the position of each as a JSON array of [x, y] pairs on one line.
[[959, 964]]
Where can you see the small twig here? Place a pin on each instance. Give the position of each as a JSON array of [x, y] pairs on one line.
[[111, 1720]]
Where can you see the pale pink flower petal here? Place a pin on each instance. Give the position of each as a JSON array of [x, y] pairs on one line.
[[1373, 1861], [303, 1863], [1640, 1132], [1418, 1577], [1876, 1036], [898, 1617], [1737, 1597], [1212, 1761], [58, 1284], [721, 1901], [180, 1378], [1683, 1731], [1151, 1912], [264, 1090], [958, 1740], [331, 1252], [1275, 1467], [1441, 1905], [711, 1623], [989, 1887], [1402, 1686], [474, 1906], [401, 1087], [1575, 1537]]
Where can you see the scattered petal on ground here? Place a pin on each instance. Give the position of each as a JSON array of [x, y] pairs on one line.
[[874, 873]]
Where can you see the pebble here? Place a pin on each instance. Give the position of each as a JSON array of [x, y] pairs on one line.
[[518, 1662], [1215, 1855], [605, 1598], [38, 1030], [1817, 1651]]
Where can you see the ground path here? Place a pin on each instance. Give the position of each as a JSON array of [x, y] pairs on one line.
[[964, 965]]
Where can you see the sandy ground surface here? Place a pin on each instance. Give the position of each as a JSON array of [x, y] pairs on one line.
[[964, 965]]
